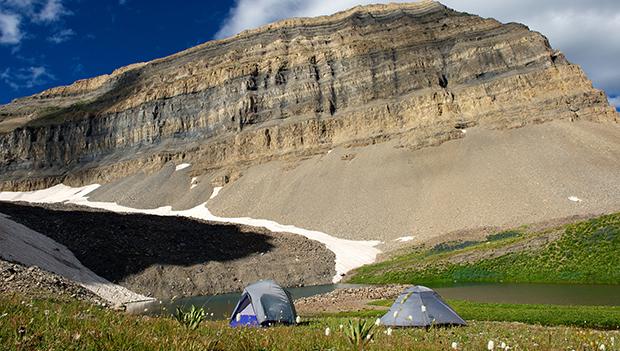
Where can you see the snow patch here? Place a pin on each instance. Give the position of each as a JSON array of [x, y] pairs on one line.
[[464, 131], [57, 193], [194, 183], [404, 239], [350, 254], [182, 166], [330, 151], [215, 192], [574, 199]]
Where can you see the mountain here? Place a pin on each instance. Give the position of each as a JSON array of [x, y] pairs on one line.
[[391, 122]]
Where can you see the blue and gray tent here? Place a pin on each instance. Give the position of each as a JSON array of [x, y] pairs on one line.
[[263, 303], [420, 306]]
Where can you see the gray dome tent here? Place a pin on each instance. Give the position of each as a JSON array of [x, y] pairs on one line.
[[420, 306], [262, 303]]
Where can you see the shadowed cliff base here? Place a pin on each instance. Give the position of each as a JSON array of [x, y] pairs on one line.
[[168, 256]]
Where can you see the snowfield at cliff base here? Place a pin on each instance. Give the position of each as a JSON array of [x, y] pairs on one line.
[[350, 254]]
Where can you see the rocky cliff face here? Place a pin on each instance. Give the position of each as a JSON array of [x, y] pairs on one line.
[[416, 72]]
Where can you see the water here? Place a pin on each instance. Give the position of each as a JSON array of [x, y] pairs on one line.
[[220, 306], [554, 294]]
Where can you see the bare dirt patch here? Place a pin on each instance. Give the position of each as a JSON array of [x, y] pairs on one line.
[[347, 299]]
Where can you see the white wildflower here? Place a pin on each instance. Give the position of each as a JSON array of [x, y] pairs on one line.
[[490, 345], [601, 347], [341, 326], [368, 336], [502, 345], [327, 331], [378, 322], [298, 320], [455, 345], [389, 331]]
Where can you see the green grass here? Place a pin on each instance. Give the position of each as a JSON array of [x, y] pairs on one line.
[[601, 317], [586, 253], [53, 325]]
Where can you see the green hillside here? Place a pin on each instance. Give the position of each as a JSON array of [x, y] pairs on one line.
[[587, 252]]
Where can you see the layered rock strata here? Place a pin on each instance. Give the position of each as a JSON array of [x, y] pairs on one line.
[[417, 72]]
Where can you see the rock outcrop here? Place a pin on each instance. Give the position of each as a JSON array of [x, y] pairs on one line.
[[33, 282], [417, 72]]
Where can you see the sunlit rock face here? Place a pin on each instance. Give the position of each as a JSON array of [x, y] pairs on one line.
[[415, 72]]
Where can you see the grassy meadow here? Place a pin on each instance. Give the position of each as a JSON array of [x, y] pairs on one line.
[[587, 252], [598, 317], [53, 325]]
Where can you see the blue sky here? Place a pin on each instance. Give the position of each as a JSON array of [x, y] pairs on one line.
[[90, 38], [45, 43]]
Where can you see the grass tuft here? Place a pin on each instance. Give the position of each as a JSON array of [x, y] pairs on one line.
[[191, 319]]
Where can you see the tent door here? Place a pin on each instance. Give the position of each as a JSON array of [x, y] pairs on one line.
[[244, 314]]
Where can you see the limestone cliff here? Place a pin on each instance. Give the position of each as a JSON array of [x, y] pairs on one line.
[[416, 72]]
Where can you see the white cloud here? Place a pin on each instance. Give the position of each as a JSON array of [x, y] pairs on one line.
[[615, 101], [10, 32], [51, 12], [17, 15], [26, 77], [247, 14], [586, 31], [18, 3], [61, 36], [122, 2]]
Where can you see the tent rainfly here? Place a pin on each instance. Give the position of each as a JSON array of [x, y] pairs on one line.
[[263, 303], [420, 306]]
